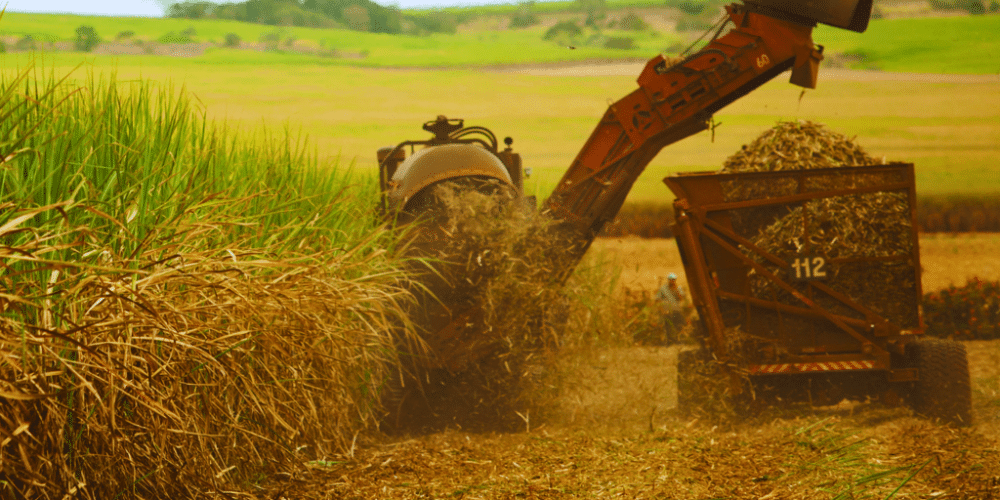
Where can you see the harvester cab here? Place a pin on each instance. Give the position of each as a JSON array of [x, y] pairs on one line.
[[454, 151]]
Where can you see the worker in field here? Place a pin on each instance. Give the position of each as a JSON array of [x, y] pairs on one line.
[[671, 298]]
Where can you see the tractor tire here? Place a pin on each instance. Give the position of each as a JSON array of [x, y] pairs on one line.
[[943, 390]]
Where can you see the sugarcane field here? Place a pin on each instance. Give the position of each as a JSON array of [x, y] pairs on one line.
[[540, 250]]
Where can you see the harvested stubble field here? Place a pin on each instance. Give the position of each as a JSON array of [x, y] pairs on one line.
[[625, 443]]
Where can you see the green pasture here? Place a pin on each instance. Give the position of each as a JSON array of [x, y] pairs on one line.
[[962, 44], [948, 129], [355, 48], [551, 6]]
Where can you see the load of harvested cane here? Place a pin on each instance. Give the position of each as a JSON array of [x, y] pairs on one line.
[[863, 233], [798, 145]]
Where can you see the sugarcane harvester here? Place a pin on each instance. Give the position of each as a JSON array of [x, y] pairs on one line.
[[759, 40]]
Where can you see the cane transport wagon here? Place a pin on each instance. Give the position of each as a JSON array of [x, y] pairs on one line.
[[807, 284]]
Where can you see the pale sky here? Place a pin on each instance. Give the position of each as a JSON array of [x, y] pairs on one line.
[[134, 8], [154, 8]]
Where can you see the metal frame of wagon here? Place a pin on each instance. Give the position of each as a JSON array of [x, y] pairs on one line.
[[702, 221]]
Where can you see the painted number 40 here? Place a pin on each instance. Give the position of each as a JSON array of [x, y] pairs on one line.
[[809, 268]]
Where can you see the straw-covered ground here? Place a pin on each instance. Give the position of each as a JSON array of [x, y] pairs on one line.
[[619, 439]]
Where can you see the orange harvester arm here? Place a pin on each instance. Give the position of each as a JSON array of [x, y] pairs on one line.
[[674, 102]]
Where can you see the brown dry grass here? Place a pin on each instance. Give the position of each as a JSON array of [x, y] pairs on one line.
[[795, 459], [644, 263], [184, 369], [984, 368]]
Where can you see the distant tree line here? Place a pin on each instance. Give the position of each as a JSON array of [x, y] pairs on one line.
[[360, 15]]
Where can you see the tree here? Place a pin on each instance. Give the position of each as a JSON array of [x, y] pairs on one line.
[[691, 8], [435, 21], [974, 7], [633, 22], [271, 39], [385, 19], [595, 10], [190, 10], [563, 32], [524, 17], [86, 38], [356, 17], [27, 42]]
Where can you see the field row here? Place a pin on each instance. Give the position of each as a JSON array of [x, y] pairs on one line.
[[177, 296]]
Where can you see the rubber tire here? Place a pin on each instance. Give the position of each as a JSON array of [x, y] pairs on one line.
[[944, 390]]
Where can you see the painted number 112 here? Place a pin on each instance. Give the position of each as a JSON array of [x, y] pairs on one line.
[[809, 268]]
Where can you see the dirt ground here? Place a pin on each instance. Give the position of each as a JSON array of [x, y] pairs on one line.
[[946, 259], [621, 440], [622, 388]]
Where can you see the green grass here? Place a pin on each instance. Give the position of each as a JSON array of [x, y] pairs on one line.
[[944, 128], [557, 6], [943, 44], [964, 44], [144, 152], [378, 50]]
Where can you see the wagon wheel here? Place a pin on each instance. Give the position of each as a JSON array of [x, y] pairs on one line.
[[943, 390]]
